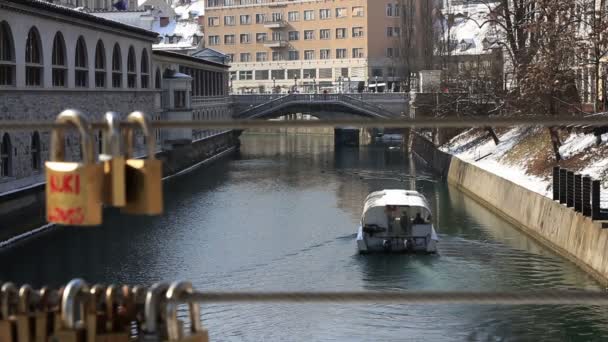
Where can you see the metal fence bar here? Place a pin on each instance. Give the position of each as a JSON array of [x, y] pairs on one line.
[[587, 196], [556, 189], [578, 193]]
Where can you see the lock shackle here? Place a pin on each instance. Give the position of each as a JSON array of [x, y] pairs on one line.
[[111, 138], [96, 297], [9, 296], [71, 300], [175, 292], [77, 119], [154, 296], [43, 298], [112, 295], [142, 120], [26, 294]]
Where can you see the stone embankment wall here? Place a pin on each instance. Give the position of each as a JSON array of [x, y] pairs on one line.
[[23, 210], [567, 232]]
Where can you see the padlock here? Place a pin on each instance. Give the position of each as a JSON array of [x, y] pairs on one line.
[[113, 160], [175, 329], [44, 316], [73, 189], [94, 313], [154, 328], [115, 329], [73, 299], [26, 319], [143, 176], [8, 321]]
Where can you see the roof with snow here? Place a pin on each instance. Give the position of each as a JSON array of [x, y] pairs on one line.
[[470, 33], [212, 55], [62, 10], [178, 35], [194, 7]]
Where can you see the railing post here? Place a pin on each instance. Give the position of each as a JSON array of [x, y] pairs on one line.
[[587, 196], [563, 190], [556, 183], [578, 193], [570, 189], [595, 200]]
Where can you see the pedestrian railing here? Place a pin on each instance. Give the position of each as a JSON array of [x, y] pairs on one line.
[[579, 192]]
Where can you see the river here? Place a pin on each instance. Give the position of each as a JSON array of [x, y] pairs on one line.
[[282, 215]]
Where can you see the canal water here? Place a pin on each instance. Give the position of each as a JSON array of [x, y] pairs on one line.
[[282, 215]]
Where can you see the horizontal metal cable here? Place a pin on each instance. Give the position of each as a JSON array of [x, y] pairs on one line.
[[550, 297], [545, 121]]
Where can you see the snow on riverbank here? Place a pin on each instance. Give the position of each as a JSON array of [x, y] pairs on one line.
[[524, 155]]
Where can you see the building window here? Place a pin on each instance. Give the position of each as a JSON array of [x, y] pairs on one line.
[[293, 16], [33, 59], [245, 57], [309, 15], [341, 12], [278, 74], [340, 53], [145, 70], [340, 33], [158, 80], [357, 32], [325, 54], [260, 18], [277, 56], [325, 13], [261, 74], [397, 12], [116, 67], [5, 156], [389, 10], [131, 69], [7, 56], [376, 72], [229, 20], [358, 53], [277, 17], [179, 99], [293, 55], [310, 73], [214, 40], [393, 31], [245, 38], [325, 73], [229, 39], [309, 54], [309, 34], [358, 11], [245, 19], [60, 69], [100, 65], [293, 73], [293, 35], [246, 75], [213, 21], [261, 56], [81, 64], [35, 151], [260, 37], [325, 34]]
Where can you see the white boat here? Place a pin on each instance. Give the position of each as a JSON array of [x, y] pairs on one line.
[[396, 221]]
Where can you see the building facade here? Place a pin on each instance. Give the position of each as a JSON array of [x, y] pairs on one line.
[[307, 45], [53, 58]]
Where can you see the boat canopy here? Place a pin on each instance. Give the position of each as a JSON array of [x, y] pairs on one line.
[[379, 204]]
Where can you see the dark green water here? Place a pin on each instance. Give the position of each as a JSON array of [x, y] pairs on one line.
[[282, 215]]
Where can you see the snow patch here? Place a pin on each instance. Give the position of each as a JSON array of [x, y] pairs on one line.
[[576, 143]]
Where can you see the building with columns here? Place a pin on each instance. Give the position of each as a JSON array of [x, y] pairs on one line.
[[53, 57]]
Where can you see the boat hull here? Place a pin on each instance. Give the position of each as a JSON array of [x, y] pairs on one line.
[[397, 244]]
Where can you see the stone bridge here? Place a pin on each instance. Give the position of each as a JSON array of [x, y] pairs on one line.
[[323, 106]]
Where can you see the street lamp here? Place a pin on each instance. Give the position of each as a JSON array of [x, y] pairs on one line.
[[295, 83], [340, 84], [274, 84], [314, 85], [376, 87]]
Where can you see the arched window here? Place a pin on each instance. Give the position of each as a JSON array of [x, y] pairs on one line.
[[35, 151], [81, 64], [100, 65], [158, 79], [131, 69], [7, 56], [60, 68], [116, 67], [5, 156], [33, 58], [145, 70]]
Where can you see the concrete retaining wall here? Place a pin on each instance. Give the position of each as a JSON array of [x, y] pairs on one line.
[[569, 233]]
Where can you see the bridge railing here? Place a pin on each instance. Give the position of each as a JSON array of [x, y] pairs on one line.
[[264, 106]]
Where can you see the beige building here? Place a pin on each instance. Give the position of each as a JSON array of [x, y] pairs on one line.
[[315, 45]]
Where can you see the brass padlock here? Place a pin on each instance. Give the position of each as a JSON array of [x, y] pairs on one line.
[[154, 327], [115, 329], [73, 299], [8, 321], [94, 315], [45, 315], [175, 331], [113, 162], [26, 319], [73, 190], [143, 176]]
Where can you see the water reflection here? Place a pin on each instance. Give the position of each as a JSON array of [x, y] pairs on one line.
[[282, 216]]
